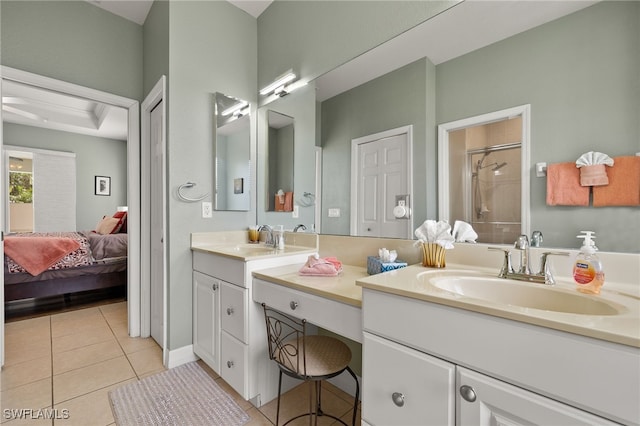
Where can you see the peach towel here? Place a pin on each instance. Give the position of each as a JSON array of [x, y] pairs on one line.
[[278, 206], [37, 254], [288, 201], [563, 186], [624, 184]]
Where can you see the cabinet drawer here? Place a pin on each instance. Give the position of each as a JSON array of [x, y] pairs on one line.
[[338, 317], [233, 310], [423, 385], [221, 267], [234, 363]]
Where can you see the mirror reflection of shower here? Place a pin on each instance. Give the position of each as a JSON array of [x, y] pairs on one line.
[[479, 202]]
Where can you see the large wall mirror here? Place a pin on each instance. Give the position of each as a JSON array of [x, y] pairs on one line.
[[577, 104], [232, 166]]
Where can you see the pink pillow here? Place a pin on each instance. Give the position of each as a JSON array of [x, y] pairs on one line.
[[108, 225]]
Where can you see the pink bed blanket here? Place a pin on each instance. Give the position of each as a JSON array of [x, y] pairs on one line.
[[37, 252]]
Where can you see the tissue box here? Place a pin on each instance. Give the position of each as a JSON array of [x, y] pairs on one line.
[[376, 266]]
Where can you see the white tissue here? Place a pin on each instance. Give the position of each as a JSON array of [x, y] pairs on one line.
[[590, 158], [435, 232], [387, 256], [463, 232]]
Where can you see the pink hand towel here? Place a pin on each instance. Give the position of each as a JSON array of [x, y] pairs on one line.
[[624, 184], [563, 186], [316, 266], [288, 201]]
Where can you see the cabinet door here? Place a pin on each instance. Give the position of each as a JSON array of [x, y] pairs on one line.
[[482, 400], [206, 319], [405, 387]]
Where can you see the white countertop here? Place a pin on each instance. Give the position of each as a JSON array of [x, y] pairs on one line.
[[413, 282]]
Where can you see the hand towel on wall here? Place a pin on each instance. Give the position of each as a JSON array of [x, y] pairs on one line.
[[624, 184], [563, 186], [278, 205], [288, 201]]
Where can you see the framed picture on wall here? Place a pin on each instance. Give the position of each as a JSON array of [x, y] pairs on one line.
[[238, 186], [103, 185]]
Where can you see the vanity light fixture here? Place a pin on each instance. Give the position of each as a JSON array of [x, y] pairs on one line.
[[278, 85], [237, 107]]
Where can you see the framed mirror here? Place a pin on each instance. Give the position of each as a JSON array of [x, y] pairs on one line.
[[280, 157], [232, 151]]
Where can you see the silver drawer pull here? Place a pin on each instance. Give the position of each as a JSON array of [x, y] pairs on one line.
[[467, 393], [230, 310], [229, 364], [293, 305], [398, 398]]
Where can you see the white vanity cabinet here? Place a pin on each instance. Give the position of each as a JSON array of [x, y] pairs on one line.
[[228, 327], [467, 368]]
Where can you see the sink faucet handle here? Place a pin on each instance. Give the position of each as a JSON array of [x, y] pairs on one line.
[[507, 268], [536, 239], [545, 268]]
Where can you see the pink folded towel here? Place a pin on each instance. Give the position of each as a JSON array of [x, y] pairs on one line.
[[624, 184], [316, 266], [563, 186], [37, 254], [288, 201]]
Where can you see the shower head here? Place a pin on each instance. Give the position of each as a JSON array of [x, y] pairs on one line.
[[498, 166]]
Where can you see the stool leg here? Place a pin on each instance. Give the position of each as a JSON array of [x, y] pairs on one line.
[[279, 391], [319, 398], [357, 398]]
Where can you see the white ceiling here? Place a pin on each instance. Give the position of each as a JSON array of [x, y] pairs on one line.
[[137, 10]]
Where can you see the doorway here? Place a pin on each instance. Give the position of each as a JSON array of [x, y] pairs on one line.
[[381, 179], [132, 109], [483, 173]]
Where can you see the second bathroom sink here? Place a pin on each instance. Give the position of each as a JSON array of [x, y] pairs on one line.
[[516, 293]]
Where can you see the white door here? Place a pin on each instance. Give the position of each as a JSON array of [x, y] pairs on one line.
[[382, 174], [156, 222]]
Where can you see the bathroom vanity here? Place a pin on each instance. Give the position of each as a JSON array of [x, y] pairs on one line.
[[437, 357], [228, 328]]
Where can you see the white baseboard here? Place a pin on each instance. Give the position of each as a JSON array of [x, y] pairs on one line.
[[179, 356]]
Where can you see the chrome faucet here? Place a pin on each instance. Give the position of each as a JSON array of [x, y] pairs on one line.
[[536, 239], [544, 276], [269, 240], [301, 226], [522, 244]]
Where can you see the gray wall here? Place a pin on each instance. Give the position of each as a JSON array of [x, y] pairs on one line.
[[580, 75], [156, 45], [73, 41], [397, 99], [94, 157], [314, 37], [212, 48]]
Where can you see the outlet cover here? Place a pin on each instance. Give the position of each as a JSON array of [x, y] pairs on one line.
[[334, 212], [207, 209], [296, 211]]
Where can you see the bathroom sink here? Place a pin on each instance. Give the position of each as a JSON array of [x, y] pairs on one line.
[[525, 295]]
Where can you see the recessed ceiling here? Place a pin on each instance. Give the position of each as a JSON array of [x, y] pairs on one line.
[[33, 106]]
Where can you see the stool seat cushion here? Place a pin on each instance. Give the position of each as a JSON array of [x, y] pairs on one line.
[[325, 355]]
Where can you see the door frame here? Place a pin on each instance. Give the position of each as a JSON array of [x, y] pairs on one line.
[[355, 160], [133, 177], [525, 159], [156, 95]]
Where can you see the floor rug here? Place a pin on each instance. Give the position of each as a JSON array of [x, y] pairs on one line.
[[184, 395]]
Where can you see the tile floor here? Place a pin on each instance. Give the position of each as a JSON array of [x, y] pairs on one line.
[[66, 364]]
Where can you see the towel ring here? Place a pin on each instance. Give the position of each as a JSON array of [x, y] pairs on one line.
[[308, 200], [189, 199]]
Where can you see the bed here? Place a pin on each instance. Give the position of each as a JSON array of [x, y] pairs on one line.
[[82, 261]]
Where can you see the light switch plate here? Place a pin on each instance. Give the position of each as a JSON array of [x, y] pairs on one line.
[[207, 209]]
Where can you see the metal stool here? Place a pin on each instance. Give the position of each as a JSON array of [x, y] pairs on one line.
[[305, 357]]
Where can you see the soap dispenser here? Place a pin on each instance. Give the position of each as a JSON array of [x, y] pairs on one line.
[[587, 269]]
